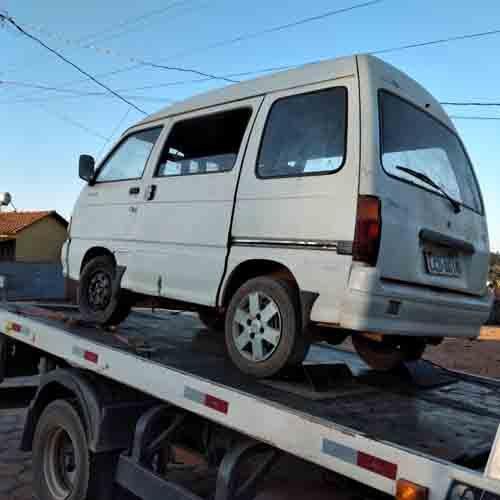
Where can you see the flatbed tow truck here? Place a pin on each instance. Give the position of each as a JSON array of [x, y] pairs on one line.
[[155, 410]]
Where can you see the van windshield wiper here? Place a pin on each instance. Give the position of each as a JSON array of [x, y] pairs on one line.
[[425, 178]]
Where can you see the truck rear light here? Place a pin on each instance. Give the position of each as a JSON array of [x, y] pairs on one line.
[[406, 490], [368, 230]]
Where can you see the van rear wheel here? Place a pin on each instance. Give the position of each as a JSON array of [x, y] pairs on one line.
[[100, 298], [390, 352], [263, 327]]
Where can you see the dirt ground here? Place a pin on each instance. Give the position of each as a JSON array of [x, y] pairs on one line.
[[480, 356]]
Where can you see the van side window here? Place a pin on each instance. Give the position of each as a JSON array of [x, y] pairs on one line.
[[129, 159], [204, 144], [305, 134]]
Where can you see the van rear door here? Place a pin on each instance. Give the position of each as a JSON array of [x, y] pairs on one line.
[[433, 225]]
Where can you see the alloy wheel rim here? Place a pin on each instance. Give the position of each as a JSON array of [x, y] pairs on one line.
[[257, 327]]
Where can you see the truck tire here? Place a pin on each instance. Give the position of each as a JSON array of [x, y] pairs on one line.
[[386, 355], [61, 459], [263, 327], [100, 298]]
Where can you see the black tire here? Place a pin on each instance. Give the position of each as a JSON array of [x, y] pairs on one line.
[[386, 355], [290, 348], [60, 421], [115, 304], [212, 320]]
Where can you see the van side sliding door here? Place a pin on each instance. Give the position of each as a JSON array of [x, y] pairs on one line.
[[186, 214]]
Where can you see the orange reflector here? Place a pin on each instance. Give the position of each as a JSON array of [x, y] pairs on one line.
[[406, 490]]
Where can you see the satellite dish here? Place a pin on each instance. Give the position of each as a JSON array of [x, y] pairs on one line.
[[5, 199]]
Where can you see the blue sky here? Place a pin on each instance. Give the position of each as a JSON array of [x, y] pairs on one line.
[[43, 132]]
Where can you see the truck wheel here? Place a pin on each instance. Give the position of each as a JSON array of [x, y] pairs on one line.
[[61, 461], [99, 296], [386, 355], [263, 327]]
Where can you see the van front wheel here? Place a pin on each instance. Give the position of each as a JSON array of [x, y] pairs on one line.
[[100, 297], [263, 327]]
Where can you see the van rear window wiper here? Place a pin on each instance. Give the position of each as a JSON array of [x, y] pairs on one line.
[[425, 178]]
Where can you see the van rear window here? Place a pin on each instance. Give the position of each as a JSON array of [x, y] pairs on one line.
[[205, 144], [413, 139], [305, 134]]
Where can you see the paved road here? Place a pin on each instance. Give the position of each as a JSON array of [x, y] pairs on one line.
[[15, 466]]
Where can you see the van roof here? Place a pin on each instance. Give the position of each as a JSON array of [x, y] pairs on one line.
[[303, 75], [383, 73]]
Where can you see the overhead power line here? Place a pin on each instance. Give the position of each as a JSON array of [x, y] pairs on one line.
[[486, 103], [60, 56], [71, 93], [174, 15], [138, 64], [208, 77], [64, 87], [438, 41], [380, 51], [113, 132], [73, 122], [485, 118], [275, 29], [111, 52], [77, 93], [132, 21], [127, 22]]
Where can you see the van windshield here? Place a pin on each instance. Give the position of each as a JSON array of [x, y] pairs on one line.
[[413, 139]]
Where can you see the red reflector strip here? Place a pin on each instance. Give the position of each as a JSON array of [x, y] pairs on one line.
[[91, 356], [216, 404], [377, 465], [363, 460], [207, 400]]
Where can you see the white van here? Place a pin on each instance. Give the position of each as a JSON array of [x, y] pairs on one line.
[[332, 199]]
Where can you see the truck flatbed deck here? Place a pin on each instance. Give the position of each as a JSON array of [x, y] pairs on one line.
[[423, 423]]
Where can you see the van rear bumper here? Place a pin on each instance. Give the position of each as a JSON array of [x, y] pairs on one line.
[[405, 310]]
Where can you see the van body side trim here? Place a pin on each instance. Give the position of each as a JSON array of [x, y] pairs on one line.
[[341, 247]]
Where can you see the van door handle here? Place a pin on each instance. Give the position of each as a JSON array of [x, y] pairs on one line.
[[150, 192], [132, 210], [447, 241], [134, 190]]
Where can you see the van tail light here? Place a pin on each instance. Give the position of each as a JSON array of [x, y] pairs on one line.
[[368, 230]]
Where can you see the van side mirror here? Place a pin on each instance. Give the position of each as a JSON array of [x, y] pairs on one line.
[[86, 165]]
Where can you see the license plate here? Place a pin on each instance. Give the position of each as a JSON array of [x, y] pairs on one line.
[[442, 265]]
